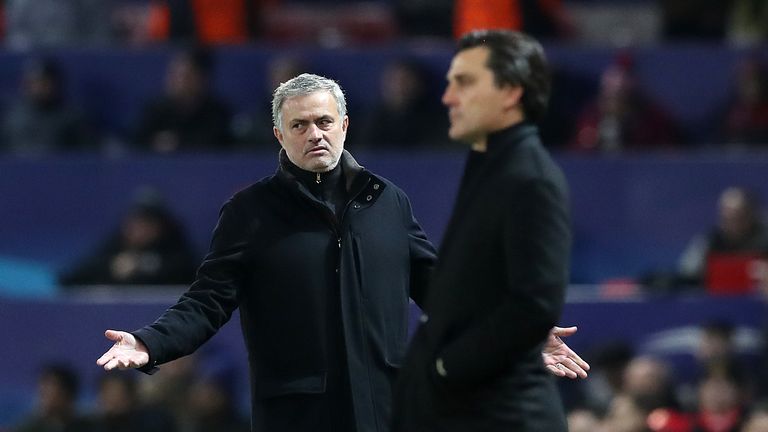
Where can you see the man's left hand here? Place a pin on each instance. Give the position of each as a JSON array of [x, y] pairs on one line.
[[559, 359]]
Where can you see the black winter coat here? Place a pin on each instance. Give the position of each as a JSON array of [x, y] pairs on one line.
[[497, 290], [284, 259]]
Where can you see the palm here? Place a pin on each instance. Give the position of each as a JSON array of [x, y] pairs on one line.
[[559, 359], [127, 352]]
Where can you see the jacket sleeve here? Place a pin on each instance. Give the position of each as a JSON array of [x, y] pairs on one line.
[[536, 236], [210, 301], [423, 255]]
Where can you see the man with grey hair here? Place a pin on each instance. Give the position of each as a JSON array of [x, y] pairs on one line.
[[321, 258]]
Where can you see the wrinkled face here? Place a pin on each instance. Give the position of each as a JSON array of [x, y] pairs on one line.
[[476, 105], [312, 132]]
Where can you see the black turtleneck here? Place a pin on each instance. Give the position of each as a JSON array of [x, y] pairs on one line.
[[327, 187]]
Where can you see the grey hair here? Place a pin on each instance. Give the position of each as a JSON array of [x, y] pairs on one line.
[[303, 85]]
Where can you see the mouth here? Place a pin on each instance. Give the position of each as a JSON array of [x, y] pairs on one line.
[[316, 150]]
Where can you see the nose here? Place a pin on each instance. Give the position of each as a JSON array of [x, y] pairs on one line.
[[314, 134], [449, 96]]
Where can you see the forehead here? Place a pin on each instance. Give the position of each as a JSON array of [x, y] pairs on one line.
[[472, 61], [313, 104]]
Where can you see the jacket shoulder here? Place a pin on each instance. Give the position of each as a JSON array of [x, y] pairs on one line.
[[252, 192]]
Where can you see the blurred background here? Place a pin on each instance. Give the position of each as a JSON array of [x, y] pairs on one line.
[[125, 124]]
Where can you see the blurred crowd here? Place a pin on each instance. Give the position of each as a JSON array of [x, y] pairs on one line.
[[198, 393], [713, 381], [189, 115], [719, 386]]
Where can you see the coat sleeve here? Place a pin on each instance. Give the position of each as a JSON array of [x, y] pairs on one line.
[[210, 301], [423, 255], [536, 244]]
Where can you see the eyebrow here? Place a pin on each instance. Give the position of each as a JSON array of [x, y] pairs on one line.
[[459, 76], [305, 120]]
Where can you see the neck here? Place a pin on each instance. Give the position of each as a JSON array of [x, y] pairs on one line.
[[480, 145], [315, 177]]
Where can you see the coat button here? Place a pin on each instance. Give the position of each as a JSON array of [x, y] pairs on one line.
[[355, 206], [423, 318], [376, 186], [369, 197]]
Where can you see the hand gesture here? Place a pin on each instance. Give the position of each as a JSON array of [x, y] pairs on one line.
[[127, 352], [559, 359]]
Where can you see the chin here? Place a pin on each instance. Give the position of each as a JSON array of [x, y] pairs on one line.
[[456, 136], [321, 165]]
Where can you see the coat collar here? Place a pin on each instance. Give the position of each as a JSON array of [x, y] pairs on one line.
[[363, 187], [512, 135], [352, 170]]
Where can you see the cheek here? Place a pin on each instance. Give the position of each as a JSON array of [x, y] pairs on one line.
[[290, 146]]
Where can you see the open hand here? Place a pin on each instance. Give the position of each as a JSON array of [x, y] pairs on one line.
[[127, 352], [559, 359]]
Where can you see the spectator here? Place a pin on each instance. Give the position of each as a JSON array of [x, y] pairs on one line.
[[649, 381], [211, 399], [407, 116], [746, 120], [739, 230], [55, 23], [149, 248], [757, 420], [748, 22], [56, 411], [41, 122], [626, 414], [253, 129], [721, 404], [716, 351], [583, 420], [119, 409], [208, 22], [189, 117], [170, 390], [622, 117]]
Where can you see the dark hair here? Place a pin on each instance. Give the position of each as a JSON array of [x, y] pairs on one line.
[[515, 59]]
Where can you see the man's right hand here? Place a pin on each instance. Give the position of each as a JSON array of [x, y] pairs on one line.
[[127, 352]]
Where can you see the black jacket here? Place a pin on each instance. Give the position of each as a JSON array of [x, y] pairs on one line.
[[498, 288], [284, 259]]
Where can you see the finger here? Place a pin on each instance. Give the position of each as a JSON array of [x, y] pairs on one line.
[[574, 368], [555, 371], [564, 331], [111, 364], [104, 358], [568, 372], [578, 360], [114, 335]]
